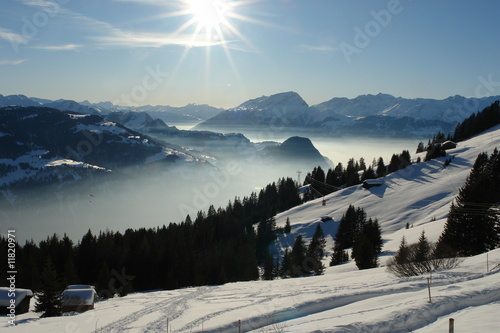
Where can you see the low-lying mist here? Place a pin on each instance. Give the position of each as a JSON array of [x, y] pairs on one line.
[[133, 199], [155, 196]]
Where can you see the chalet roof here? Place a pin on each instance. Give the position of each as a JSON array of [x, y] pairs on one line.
[[20, 294], [80, 286], [73, 297]]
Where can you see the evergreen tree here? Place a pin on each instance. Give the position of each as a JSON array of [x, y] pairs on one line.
[[393, 164], [420, 148], [381, 169], [403, 255], [362, 164], [368, 174], [298, 257], [49, 299], [318, 174], [286, 264], [350, 225], [368, 245], [288, 227], [472, 226], [423, 253], [269, 269], [347, 232], [331, 177], [266, 233], [105, 280], [339, 256], [351, 173], [316, 251]]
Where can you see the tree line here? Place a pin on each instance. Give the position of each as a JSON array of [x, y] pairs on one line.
[[214, 247], [354, 173], [475, 124]]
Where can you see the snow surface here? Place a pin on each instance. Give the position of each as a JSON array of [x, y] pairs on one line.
[[344, 299]]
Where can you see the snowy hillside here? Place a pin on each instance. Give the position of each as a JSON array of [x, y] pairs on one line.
[[344, 299]]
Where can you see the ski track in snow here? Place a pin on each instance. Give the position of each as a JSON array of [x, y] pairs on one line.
[[169, 310]]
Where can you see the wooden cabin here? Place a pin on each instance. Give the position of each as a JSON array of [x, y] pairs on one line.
[[22, 299], [369, 183], [448, 145], [78, 300]]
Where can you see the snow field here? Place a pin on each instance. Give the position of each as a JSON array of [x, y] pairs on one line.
[[344, 299]]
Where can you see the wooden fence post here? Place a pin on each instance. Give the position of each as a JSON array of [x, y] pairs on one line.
[[429, 287], [239, 326], [452, 325]]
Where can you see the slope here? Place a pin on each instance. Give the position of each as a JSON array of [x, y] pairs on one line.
[[344, 299]]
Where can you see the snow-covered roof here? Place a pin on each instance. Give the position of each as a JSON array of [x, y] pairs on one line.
[[374, 181], [19, 295], [73, 297], [80, 286]]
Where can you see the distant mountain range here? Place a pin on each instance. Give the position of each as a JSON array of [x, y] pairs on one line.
[[379, 115], [41, 145]]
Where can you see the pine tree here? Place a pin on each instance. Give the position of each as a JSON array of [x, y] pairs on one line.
[[339, 256], [472, 226], [403, 255], [288, 227], [286, 265], [268, 268], [368, 245], [381, 169], [423, 254], [350, 225], [368, 174], [316, 251], [49, 299], [298, 257]]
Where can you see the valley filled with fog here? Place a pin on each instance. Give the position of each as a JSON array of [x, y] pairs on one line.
[[136, 199]]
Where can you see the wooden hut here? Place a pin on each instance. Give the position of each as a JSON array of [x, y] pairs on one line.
[[78, 300], [448, 145], [369, 183], [20, 297]]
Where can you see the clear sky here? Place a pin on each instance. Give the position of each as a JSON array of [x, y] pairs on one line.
[[223, 52]]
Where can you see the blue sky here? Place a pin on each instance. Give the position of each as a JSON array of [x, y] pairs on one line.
[[140, 52]]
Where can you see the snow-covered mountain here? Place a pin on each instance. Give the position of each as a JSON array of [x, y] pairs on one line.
[[379, 115], [35, 140], [20, 100], [287, 114], [453, 109], [344, 299], [69, 105], [279, 112]]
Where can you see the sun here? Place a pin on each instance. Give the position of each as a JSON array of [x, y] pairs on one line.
[[209, 14]]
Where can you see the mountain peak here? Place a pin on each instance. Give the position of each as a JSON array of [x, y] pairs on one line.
[[288, 99]]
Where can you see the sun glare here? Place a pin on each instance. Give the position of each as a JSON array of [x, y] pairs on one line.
[[209, 14]]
